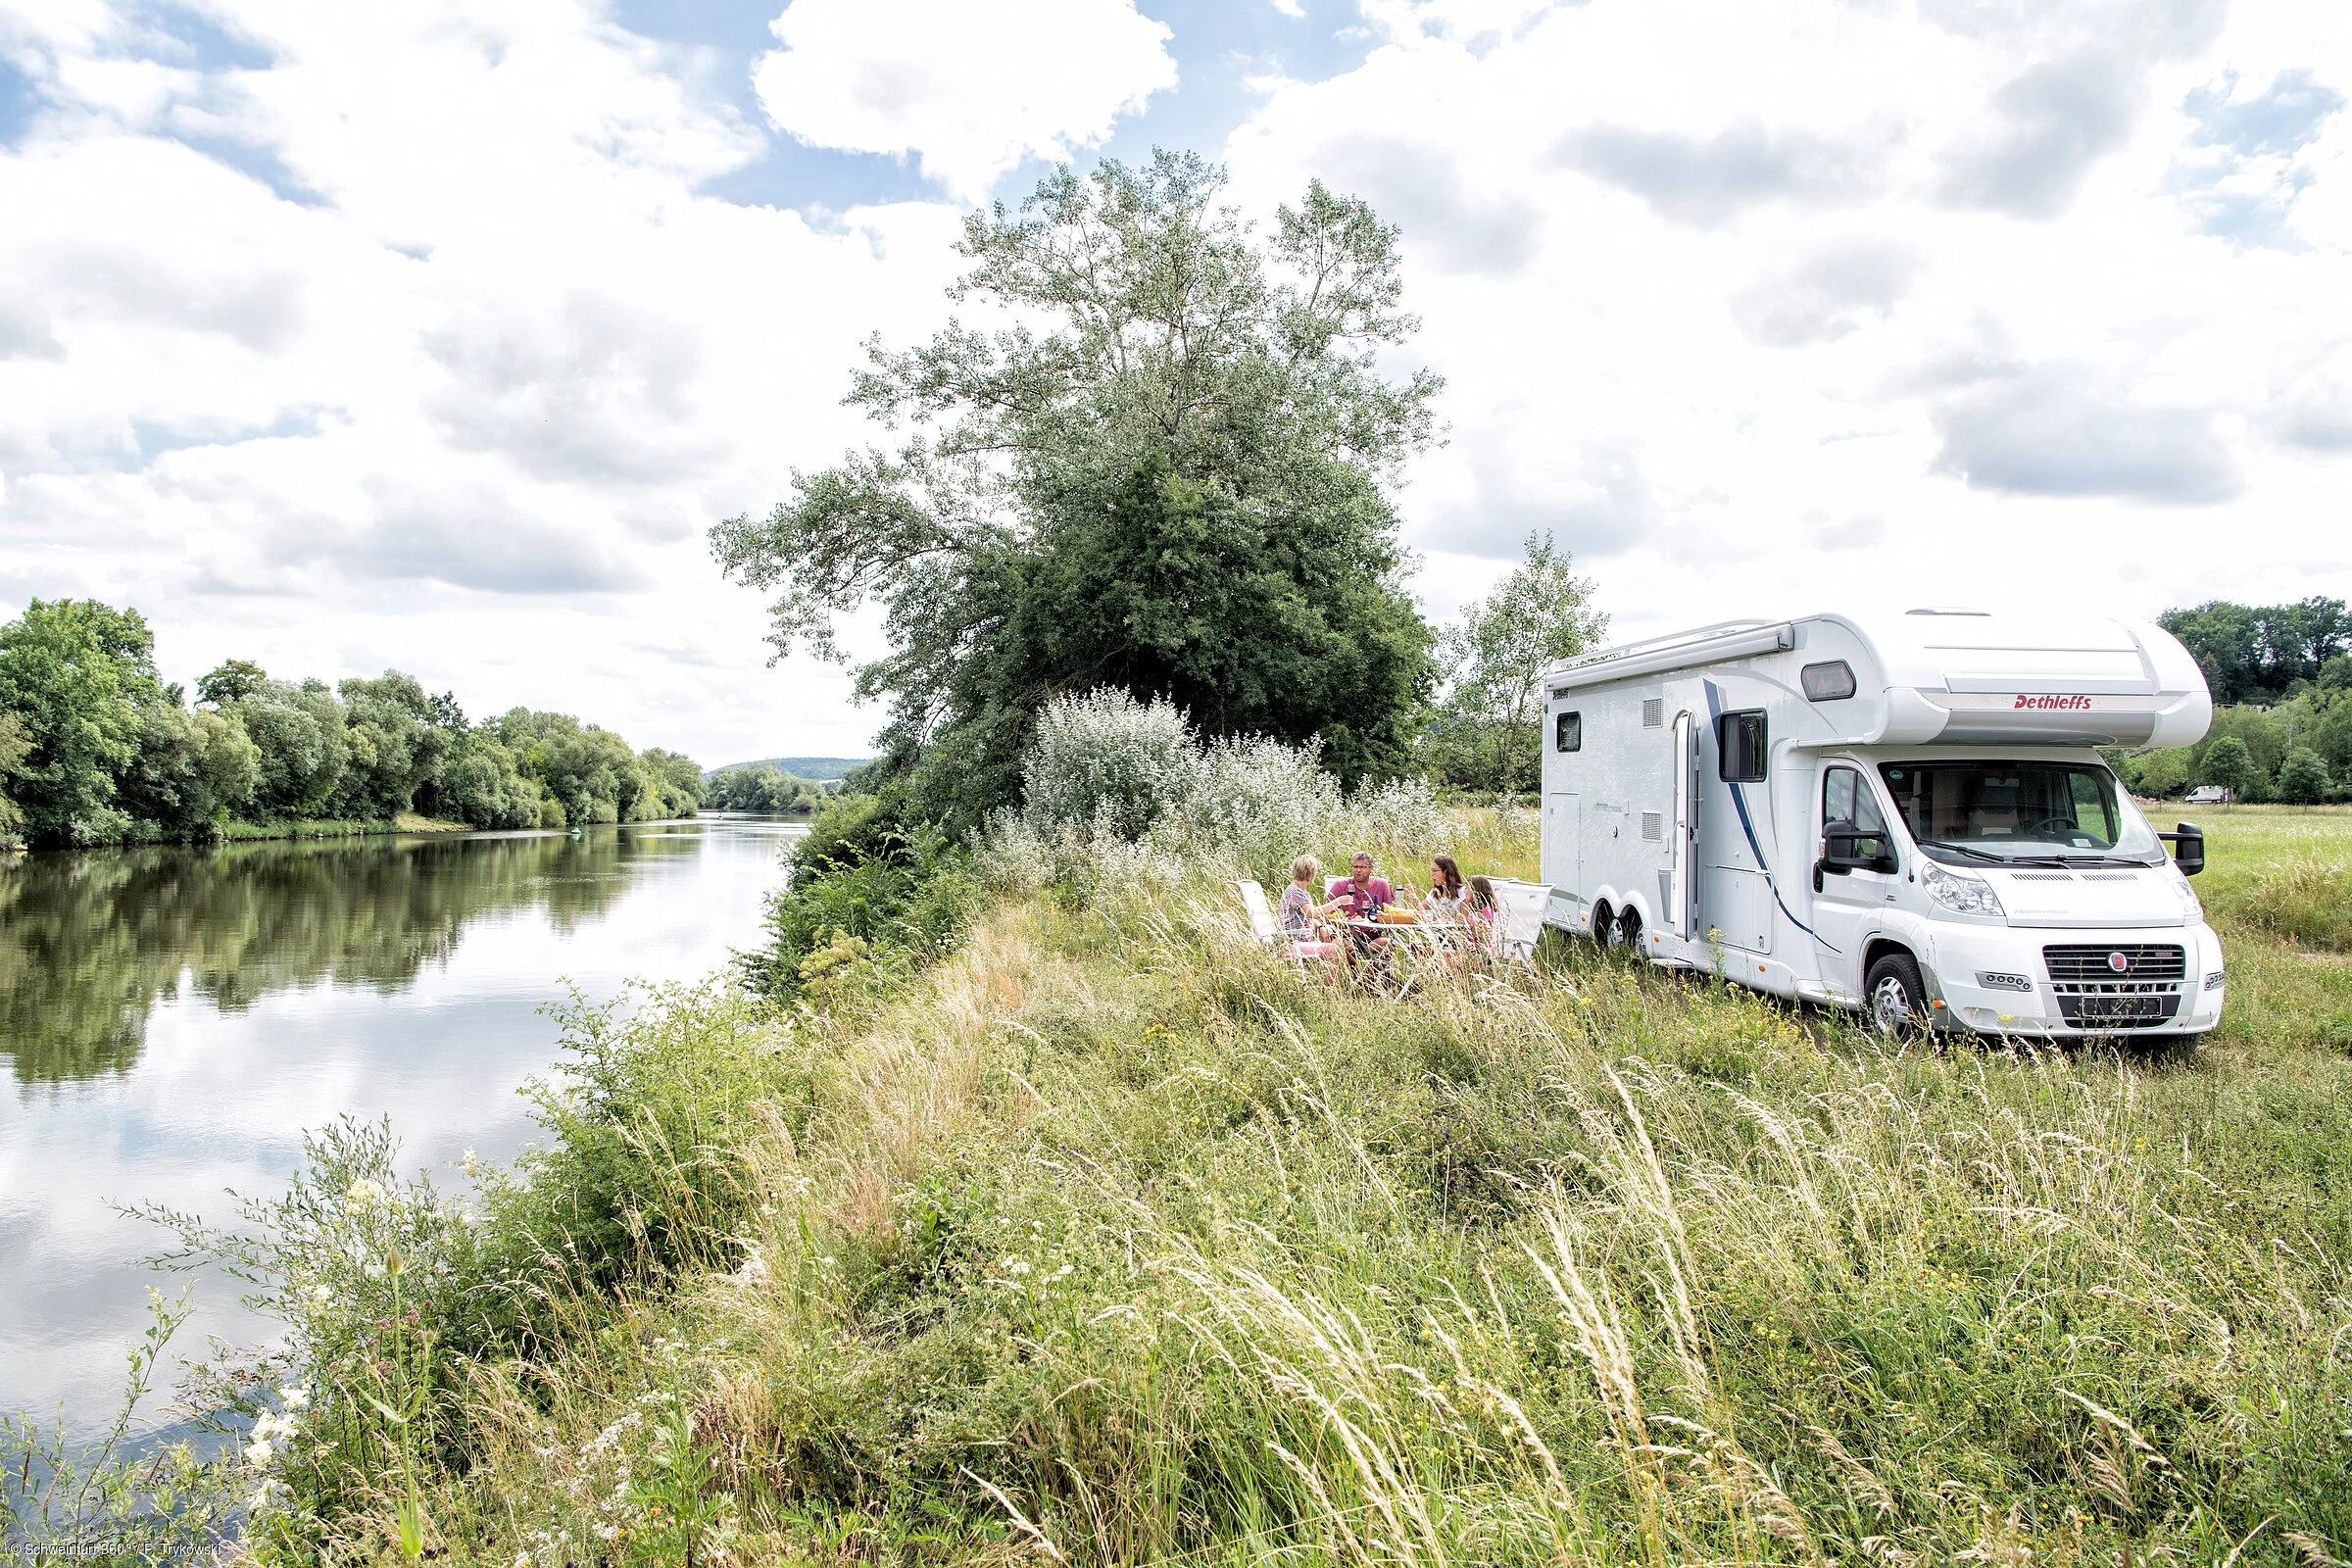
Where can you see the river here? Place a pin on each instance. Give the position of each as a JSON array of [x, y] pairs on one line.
[[172, 1020]]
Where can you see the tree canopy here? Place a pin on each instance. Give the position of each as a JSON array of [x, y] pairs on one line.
[[94, 749], [1169, 471], [2260, 653], [761, 786], [76, 674]]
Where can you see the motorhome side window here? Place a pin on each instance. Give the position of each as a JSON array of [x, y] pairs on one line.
[[1828, 681], [1740, 748], [1567, 732]]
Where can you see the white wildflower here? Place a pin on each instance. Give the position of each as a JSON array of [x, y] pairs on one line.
[[297, 1397], [1016, 1266], [258, 1452], [364, 1193]]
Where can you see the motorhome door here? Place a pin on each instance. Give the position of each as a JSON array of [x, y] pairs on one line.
[[1562, 819], [1852, 905], [1682, 888]]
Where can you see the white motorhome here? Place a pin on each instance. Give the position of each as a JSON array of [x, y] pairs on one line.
[[1903, 813]]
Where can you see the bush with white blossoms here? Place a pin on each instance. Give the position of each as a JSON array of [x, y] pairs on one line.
[[1118, 790], [1109, 763]]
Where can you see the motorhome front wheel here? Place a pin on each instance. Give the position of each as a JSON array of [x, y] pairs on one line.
[[1897, 999]]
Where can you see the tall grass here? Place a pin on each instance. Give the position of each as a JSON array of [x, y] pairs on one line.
[[1106, 1240]]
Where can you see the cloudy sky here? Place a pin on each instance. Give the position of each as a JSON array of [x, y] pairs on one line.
[[435, 334]]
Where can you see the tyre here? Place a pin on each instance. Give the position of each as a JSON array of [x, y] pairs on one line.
[[1605, 925], [1892, 997], [1629, 928]]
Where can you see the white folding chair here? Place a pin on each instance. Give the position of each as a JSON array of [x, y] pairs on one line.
[[1519, 916], [1266, 928], [1261, 916]]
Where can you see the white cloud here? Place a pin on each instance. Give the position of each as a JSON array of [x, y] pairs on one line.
[[969, 89], [2067, 430], [445, 361], [419, 334], [1831, 290], [1925, 288]]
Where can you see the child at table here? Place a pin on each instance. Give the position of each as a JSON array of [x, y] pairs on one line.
[[1479, 909]]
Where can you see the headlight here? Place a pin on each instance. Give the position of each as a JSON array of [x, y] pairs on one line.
[[2188, 899], [1962, 895]]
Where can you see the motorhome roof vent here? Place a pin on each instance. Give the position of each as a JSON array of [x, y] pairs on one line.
[[1947, 612]]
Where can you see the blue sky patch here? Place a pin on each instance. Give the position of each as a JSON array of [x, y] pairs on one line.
[[2279, 122]]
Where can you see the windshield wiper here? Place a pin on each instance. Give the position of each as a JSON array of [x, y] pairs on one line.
[[1962, 849]]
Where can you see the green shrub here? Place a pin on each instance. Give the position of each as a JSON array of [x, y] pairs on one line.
[[394, 1294], [866, 874], [2303, 777]]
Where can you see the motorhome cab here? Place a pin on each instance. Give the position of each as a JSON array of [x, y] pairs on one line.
[[1902, 813]]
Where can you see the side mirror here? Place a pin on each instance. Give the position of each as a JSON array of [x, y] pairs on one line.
[[1847, 847], [2188, 847]]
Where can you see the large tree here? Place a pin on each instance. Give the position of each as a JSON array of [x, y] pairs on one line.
[[16, 744], [1168, 472], [76, 674]]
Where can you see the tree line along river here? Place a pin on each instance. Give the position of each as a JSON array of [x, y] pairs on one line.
[[173, 1020]]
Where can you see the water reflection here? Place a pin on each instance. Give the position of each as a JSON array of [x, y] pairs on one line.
[[89, 943], [175, 1019]]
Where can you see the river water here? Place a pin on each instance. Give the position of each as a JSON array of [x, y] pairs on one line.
[[172, 1020]]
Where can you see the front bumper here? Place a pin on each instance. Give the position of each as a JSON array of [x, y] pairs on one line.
[[2024, 980]]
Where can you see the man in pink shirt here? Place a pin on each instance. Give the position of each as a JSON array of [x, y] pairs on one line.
[[1363, 895]]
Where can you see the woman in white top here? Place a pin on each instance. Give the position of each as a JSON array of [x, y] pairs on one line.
[[1444, 899]]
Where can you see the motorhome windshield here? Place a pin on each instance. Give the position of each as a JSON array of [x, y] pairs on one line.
[[2009, 809]]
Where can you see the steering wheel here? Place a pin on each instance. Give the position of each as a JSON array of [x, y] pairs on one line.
[[2059, 825]]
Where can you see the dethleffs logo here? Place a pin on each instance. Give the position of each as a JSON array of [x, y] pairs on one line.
[[2051, 700]]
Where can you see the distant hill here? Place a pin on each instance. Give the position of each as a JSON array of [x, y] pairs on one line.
[[812, 768]]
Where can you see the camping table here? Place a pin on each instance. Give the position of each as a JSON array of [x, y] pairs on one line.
[[1415, 938]]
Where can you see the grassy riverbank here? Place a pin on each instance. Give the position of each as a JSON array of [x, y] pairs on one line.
[[338, 828], [1104, 1241]]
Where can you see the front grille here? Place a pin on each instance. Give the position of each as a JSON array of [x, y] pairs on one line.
[[2039, 876], [2093, 993], [2094, 961], [2143, 1011]]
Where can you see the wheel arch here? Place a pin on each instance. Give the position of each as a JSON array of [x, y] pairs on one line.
[[1880, 944]]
